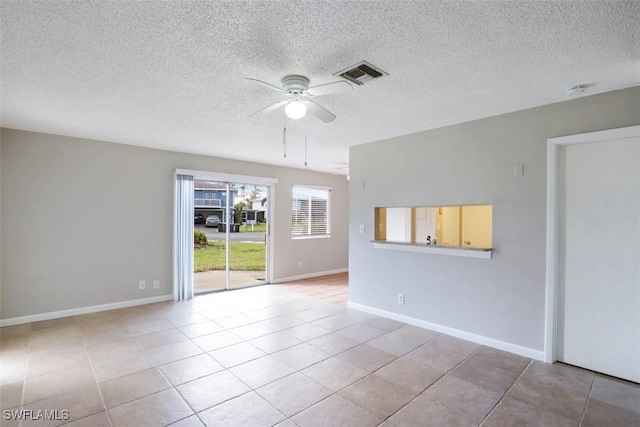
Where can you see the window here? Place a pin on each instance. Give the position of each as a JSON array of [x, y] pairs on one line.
[[310, 212]]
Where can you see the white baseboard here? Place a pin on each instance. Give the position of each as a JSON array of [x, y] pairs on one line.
[[310, 275], [82, 310], [479, 339]]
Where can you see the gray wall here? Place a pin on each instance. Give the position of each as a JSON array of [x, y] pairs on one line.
[[83, 221], [502, 298]]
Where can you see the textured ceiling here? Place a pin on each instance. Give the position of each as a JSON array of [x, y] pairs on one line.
[[171, 74]]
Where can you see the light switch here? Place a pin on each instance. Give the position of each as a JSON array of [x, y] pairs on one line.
[[518, 169], [361, 228]]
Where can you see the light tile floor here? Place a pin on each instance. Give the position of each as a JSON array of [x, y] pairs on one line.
[[288, 355]]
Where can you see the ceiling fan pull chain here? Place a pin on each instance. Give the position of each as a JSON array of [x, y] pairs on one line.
[[305, 144], [284, 137]]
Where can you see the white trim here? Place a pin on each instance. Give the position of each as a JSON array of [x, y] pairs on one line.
[[226, 177], [312, 186], [271, 227], [312, 236], [599, 136], [479, 339], [551, 295], [310, 275], [551, 290], [440, 250], [83, 310]]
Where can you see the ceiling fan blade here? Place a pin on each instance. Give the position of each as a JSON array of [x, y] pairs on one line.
[[320, 112], [329, 88], [269, 85], [270, 108]]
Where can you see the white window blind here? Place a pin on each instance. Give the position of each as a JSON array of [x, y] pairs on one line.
[[310, 212]]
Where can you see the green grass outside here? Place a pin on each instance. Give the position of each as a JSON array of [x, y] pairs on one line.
[[258, 228], [242, 257]]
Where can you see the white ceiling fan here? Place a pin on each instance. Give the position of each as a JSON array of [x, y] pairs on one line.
[[299, 95]]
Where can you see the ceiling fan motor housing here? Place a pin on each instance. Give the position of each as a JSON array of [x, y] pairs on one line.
[[295, 83]]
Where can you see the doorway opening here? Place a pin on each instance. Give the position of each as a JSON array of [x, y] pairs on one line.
[[222, 232], [231, 221], [593, 285]]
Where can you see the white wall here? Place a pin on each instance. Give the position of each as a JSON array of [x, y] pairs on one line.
[[83, 221], [501, 299]]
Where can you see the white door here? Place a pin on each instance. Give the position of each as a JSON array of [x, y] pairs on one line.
[[599, 256], [476, 226], [450, 225]]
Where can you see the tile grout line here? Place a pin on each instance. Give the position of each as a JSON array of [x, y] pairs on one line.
[[252, 389], [586, 404], [172, 387], [28, 356], [297, 371], [333, 393], [24, 375], [435, 382], [155, 366], [372, 373], [506, 392], [286, 417], [95, 378], [228, 370]]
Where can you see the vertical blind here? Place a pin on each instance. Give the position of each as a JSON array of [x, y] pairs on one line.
[[183, 237], [310, 212]]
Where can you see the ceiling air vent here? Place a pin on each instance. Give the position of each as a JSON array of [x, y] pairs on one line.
[[361, 73]]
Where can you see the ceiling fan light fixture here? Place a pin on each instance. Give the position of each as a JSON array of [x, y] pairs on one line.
[[295, 110]]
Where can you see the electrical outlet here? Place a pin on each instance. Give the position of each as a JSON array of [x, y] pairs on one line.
[[156, 284], [400, 298], [142, 284], [299, 265]]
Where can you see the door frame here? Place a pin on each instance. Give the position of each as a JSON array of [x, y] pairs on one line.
[[270, 183], [551, 292]]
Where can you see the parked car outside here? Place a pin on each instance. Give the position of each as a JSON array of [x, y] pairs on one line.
[[212, 221], [199, 219]]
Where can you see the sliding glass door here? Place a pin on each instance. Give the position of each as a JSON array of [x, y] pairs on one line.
[[210, 245], [231, 234], [248, 238]]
